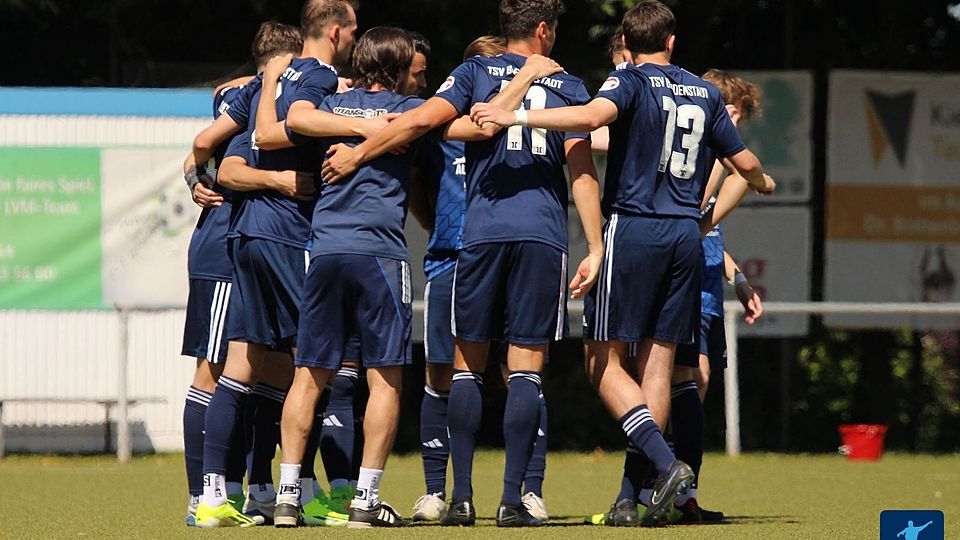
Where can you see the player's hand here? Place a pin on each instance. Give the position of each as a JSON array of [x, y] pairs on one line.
[[769, 186], [541, 66], [586, 275], [344, 84], [206, 197], [484, 113], [372, 126], [341, 162], [295, 184], [734, 113], [752, 305], [276, 66]]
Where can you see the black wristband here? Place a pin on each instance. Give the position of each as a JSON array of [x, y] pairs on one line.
[[192, 177]]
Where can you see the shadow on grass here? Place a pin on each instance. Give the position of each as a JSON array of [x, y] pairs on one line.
[[577, 521]]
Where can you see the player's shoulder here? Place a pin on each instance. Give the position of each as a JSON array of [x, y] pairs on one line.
[[405, 103]]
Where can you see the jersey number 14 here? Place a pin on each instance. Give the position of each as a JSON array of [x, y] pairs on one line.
[[537, 97]]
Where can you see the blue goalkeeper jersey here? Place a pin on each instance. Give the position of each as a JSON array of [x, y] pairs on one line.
[[444, 170], [711, 292]]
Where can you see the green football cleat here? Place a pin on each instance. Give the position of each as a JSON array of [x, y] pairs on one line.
[[224, 515], [320, 512], [236, 500], [341, 497], [594, 519]]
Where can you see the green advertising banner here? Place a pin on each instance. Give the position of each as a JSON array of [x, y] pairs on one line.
[[50, 253]]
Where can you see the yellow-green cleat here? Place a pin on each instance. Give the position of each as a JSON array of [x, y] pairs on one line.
[[321, 512], [341, 497], [224, 515]]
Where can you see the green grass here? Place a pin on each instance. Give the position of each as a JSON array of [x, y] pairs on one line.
[[767, 496]]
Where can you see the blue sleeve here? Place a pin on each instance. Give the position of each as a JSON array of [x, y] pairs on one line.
[[458, 88], [618, 88], [580, 97], [316, 85], [240, 147], [220, 99], [724, 139], [237, 105]]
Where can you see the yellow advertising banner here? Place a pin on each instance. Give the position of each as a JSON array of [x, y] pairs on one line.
[[893, 213]]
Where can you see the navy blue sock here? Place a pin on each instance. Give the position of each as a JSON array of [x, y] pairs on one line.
[[636, 468], [521, 418], [194, 411], [533, 480], [264, 408], [464, 412], [237, 457], [223, 420], [643, 432], [337, 435], [686, 423], [434, 444]]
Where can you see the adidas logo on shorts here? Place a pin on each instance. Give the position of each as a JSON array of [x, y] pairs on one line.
[[433, 444]]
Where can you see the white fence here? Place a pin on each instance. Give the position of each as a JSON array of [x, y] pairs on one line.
[[135, 355]]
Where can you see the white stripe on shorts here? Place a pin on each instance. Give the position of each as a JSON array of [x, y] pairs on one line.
[[453, 301], [306, 260], [218, 316], [406, 295], [602, 311], [426, 321], [558, 335]]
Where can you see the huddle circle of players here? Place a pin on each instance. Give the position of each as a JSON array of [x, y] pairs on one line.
[[300, 275]]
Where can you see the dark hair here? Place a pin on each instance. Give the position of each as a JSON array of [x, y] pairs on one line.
[[616, 41], [647, 26], [519, 18], [420, 42], [744, 95], [273, 39], [485, 46], [382, 56], [318, 14]]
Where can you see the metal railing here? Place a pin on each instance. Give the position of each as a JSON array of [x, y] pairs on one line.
[[733, 310]]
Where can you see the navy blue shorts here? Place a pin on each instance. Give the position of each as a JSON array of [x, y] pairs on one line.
[[649, 284], [437, 335], [515, 290], [203, 333], [356, 294], [267, 289], [711, 342]]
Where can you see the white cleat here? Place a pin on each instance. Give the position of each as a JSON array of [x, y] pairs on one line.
[[260, 512], [535, 506], [430, 507]]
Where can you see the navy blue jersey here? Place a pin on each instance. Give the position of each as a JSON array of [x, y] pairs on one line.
[[268, 214], [444, 171], [516, 188], [711, 293], [207, 256], [667, 118], [364, 213]]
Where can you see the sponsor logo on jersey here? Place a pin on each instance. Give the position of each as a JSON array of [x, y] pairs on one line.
[[447, 84], [610, 84]]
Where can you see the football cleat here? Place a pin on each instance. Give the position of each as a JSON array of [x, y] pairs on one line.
[[224, 515], [191, 517], [287, 513], [622, 513], [516, 516], [536, 506], [671, 484], [261, 512], [429, 507], [690, 513], [381, 515], [460, 513], [340, 498], [321, 512]]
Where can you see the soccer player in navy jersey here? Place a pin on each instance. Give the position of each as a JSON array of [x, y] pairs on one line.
[[511, 273], [210, 271], [659, 115], [270, 233]]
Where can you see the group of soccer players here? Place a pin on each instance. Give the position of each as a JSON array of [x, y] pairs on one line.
[[300, 275]]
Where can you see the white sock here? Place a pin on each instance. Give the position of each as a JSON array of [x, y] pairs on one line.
[[234, 488], [289, 481], [646, 495], [194, 500], [682, 499], [214, 489], [339, 483], [368, 489], [263, 492], [307, 492]]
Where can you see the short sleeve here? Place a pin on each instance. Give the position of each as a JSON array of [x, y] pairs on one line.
[[725, 140], [220, 99], [618, 88], [316, 85], [580, 96], [240, 147], [458, 88], [238, 103]]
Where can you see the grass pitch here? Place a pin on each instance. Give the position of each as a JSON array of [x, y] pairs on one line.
[[765, 496]]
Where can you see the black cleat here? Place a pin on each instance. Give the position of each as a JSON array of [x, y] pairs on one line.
[[676, 481], [461, 513], [381, 515], [692, 514], [516, 516], [622, 513], [287, 515]]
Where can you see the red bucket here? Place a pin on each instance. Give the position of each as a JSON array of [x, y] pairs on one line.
[[862, 441]]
